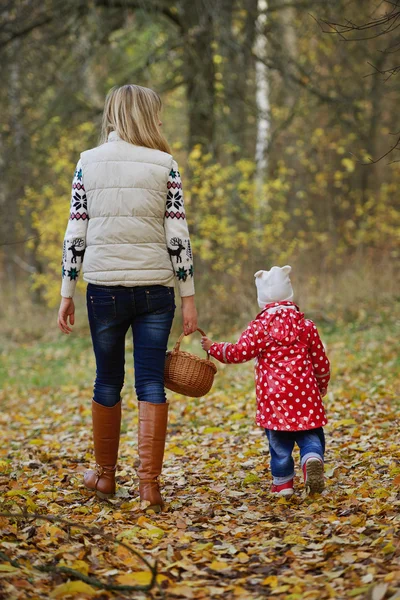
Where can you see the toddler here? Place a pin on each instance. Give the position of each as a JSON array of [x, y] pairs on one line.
[[292, 375]]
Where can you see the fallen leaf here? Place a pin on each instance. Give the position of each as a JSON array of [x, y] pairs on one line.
[[72, 588]]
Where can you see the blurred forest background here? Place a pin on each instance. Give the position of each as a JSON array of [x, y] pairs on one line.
[[281, 114]]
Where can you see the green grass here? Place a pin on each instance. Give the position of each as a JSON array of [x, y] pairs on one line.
[[69, 360], [47, 364]]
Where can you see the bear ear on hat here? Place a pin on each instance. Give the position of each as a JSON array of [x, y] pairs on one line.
[[258, 274], [286, 269]]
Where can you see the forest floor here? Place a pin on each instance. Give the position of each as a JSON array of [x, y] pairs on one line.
[[223, 534]]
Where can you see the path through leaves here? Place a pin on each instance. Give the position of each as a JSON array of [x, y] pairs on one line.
[[223, 534]]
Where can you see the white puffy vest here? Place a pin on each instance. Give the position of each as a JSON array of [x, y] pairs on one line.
[[126, 188]]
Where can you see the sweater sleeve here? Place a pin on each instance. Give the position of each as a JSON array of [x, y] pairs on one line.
[[177, 234], [319, 358], [249, 345], [75, 235]]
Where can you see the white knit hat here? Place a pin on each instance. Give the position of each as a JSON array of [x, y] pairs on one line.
[[273, 285]]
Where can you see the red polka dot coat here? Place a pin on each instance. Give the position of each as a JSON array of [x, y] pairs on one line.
[[291, 370]]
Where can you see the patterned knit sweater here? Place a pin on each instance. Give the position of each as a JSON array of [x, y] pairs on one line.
[[175, 226]]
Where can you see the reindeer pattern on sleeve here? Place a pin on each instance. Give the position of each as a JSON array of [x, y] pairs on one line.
[[75, 235], [177, 234]]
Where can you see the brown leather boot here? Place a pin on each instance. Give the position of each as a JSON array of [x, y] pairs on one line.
[[106, 430], [153, 420]]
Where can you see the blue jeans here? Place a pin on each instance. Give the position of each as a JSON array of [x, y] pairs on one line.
[[281, 444], [112, 310]]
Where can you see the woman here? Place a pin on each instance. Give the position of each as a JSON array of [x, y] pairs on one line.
[[128, 230]]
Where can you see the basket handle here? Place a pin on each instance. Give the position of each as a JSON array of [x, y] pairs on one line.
[[178, 343]]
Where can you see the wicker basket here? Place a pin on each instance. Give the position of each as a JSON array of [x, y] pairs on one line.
[[187, 373]]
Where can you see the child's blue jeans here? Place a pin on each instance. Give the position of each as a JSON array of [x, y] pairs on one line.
[[281, 444]]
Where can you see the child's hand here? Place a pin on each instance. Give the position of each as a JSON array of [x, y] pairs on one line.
[[323, 392], [206, 343]]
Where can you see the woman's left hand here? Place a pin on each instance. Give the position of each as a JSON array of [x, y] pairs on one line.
[[206, 343], [189, 315], [67, 310]]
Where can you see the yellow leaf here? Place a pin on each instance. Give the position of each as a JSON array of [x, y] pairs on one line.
[[177, 451], [272, 581], [139, 578], [242, 557], [218, 565], [345, 422], [202, 546], [251, 478], [240, 591], [295, 539], [281, 589], [17, 493], [155, 532], [72, 587], [8, 568], [389, 548], [81, 567]]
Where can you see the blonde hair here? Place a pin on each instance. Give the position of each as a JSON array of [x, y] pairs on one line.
[[133, 112]]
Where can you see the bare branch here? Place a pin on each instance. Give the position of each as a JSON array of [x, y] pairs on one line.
[[71, 572], [380, 26], [155, 7], [26, 30]]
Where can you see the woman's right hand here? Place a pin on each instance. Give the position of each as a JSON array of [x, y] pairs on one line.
[[189, 315], [67, 311]]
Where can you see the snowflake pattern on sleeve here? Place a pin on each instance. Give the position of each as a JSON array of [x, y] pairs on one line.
[[75, 235], [177, 234]]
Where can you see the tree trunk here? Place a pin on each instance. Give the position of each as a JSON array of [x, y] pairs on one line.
[[263, 108], [198, 70]]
